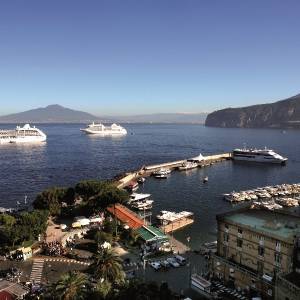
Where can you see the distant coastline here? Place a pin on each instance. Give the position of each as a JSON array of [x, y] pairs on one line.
[[281, 114], [62, 115]]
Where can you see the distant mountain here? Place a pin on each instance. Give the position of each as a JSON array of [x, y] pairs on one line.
[[281, 114], [59, 114], [191, 118], [50, 114]]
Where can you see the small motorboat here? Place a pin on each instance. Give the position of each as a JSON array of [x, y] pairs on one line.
[[161, 171], [132, 186], [205, 179], [161, 176], [141, 180]]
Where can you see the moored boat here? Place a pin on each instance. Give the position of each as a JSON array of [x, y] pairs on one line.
[[258, 155], [141, 180], [188, 165], [100, 129], [25, 134], [162, 171], [132, 186]]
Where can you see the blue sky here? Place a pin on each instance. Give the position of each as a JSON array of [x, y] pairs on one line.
[[146, 56]]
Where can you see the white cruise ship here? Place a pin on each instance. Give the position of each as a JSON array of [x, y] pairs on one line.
[[98, 128], [258, 155], [25, 134]]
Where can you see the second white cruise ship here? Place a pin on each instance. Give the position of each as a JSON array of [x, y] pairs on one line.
[[258, 155], [98, 128], [25, 134]]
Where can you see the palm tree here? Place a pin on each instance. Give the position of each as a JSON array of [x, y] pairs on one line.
[[71, 285], [107, 266]]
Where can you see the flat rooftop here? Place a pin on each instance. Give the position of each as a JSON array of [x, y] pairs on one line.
[[275, 223]]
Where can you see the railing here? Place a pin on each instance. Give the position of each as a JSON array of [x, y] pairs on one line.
[[253, 274], [235, 265], [288, 284]]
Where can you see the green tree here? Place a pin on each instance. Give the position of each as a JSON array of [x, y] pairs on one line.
[[24, 227], [52, 198], [100, 194], [109, 196], [89, 188], [7, 220], [101, 237], [103, 289], [71, 286], [107, 266]]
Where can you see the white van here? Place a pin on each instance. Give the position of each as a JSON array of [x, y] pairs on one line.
[[181, 260]]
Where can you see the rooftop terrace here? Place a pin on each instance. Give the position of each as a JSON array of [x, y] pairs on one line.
[[281, 225]]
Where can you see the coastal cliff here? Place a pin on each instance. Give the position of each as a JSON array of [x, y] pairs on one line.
[[281, 114]]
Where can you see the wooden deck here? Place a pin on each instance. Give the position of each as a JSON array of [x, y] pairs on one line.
[[183, 222]]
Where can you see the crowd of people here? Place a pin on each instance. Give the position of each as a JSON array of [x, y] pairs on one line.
[[53, 248]]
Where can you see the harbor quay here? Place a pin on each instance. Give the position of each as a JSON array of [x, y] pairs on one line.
[[145, 171]]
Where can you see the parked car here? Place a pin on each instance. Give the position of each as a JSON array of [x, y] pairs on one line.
[[181, 260], [165, 264], [172, 261], [155, 265]]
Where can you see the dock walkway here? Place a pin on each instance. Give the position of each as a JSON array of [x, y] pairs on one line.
[[148, 170], [177, 246]]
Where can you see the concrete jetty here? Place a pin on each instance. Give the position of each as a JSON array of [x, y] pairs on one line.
[[148, 170], [177, 246]]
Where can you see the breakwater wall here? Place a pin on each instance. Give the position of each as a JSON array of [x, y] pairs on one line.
[[148, 170]]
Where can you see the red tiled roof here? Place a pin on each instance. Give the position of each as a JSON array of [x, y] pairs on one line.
[[126, 216], [4, 295]]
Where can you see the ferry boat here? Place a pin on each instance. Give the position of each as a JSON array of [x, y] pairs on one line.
[[188, 166], [100, 129], [258, 155], [140, 201], [25, 134], [142, 205], [138, 197], [168, 217]]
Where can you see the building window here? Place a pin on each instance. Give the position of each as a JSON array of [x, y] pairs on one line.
[[225, 251], [260, 267], [278, 246], [239, 243], [261, 241], [261, 250], [226, 237], [277, 258]]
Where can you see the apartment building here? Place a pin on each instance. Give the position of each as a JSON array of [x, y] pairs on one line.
[[254, 247]]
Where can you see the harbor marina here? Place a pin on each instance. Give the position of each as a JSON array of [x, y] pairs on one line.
[[270, 197]]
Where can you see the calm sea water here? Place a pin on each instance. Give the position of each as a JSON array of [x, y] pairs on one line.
[[70, 156]]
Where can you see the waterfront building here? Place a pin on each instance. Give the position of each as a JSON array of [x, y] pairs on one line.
[[288, 285], [126, 216], [254, 248]]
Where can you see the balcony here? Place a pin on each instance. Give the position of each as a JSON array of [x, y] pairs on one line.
[[250, 272], [236, 266]]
